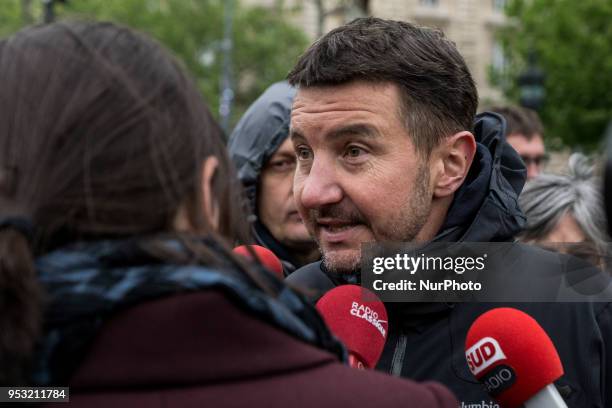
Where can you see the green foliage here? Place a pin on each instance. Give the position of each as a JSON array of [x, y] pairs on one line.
[[573, 42], [265, 46], [11, 18], [263, 63]]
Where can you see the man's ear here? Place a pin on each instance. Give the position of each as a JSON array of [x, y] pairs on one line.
[[211, 206], [454, 156]]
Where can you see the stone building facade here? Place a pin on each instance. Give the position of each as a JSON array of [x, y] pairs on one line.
[[471, 24]]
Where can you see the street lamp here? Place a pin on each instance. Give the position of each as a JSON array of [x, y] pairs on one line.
[[227, 93], [531, 84], [607, 189], [49, 14]]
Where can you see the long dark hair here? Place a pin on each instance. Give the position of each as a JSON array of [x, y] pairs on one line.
[[102, 135]]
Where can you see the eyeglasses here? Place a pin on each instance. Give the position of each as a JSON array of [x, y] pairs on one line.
[[537, 160], [587, 251]]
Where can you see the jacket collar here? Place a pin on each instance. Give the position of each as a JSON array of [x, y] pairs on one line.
[[485, 208], [87, 283]]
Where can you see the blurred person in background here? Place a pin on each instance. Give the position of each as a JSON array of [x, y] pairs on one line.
[[118, 201], [524, 132], [566, 209], [263, 154]]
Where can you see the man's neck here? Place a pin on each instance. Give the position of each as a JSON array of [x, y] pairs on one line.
[[435, 221]]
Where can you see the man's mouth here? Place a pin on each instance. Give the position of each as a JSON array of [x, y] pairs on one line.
[[294, 216], [337, 228], [334, 231]]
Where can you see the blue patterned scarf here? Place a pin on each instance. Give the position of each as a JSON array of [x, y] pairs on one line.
[[86, 283]]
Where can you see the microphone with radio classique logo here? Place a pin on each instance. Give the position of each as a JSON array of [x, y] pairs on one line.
[[359, 319], [511, 354], [265, 257]]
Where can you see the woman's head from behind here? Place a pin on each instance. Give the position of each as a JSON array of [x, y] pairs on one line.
[[102, 135]]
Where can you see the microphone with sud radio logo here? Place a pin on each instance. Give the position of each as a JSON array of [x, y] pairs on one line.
[[359, 319], [264, 256], [510, 353]]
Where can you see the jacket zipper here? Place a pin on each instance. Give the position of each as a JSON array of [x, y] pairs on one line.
[[397, 363]]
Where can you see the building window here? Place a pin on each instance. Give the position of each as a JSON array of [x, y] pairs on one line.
[[498, 69], [498, 57], [356, 9], [499, 6], [430, 3], [363, 6]]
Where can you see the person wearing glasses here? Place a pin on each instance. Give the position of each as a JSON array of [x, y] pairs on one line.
[[265, 162], [524, 132], [565, 212]]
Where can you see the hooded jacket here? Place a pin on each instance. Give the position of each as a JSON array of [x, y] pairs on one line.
[[257, 136], [426, 340]]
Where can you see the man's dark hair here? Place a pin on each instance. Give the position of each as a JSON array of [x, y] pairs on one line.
[[520, 121], [438, 92]]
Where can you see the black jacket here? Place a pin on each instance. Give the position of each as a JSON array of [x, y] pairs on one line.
[[426, 340], [257, 136]]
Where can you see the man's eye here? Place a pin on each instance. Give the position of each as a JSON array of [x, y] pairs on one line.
[[354, 152], [303, 153], [282, 165]]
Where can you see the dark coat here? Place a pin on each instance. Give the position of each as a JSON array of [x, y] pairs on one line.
[[200, 350], [124, 329], [426, 340]]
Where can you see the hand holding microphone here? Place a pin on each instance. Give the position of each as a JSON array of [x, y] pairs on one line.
[[510, 353], [359, 319]]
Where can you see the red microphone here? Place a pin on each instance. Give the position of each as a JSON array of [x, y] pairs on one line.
[[510, 353], [359, 319], [264, 256]]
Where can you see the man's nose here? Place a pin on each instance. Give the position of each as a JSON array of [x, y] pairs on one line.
[[533, 170], [320, 186]]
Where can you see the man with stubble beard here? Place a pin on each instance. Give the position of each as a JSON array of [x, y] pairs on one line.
[[389, 148]]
